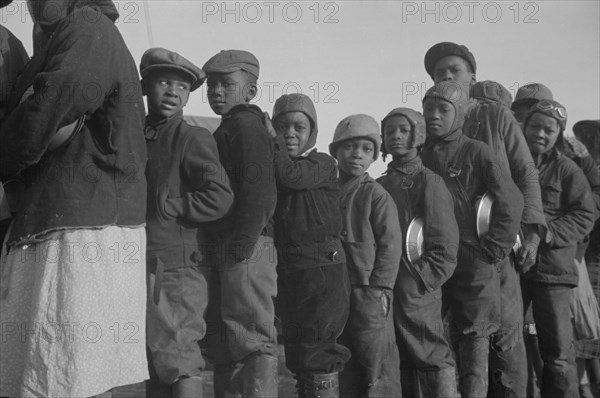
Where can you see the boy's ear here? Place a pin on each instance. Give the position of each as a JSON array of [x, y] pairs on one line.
[[250, 91], [143, 83]]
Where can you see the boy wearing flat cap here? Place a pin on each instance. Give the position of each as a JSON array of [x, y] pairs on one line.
[[427, 364], [493, 123], [241, 338], [469, 169], [370, 236], [312, 276], [187, 188], [569, 210]]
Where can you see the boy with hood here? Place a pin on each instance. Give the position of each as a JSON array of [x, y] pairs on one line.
[[370, 237], [469, 169], [241, 338], [569, 210], [187, 187], [85, 202], [313, 279], [427, 363], [493, 123]]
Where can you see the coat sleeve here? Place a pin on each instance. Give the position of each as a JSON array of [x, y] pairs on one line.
[[302, 173], [522, 168], [256, 193], [388, 240], [592, 173], [440, 232], [577, 218], [211, 196], [506, 212]]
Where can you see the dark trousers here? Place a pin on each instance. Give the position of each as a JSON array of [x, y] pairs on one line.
[[314, 309], [374, 368], [508, 359], [551, 312], [241, 312], [472, 297]]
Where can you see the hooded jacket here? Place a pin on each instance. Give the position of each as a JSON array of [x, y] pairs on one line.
[[97, 179], [470, 169]]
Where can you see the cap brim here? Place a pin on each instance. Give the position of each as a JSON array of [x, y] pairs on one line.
[[229, 69], [195, 82]]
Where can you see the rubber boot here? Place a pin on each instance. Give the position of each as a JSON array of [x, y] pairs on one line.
[[438, 384], [260, 376], [189, 387], [410, 382], [227, 381], [473, 370], [156, 390], [318, 385]]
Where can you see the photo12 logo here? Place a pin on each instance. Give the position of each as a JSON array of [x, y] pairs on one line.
[[469, 11], [270, 11]]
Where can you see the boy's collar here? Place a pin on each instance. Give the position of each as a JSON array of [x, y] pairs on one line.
[[151, 129], [241, 107], [307, 152]]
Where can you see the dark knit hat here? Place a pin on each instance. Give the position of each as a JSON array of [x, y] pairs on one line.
[[455, 93], [588, 132], [445, 49], [228, 61], [549, 108], [531, 93], [356, 126], [160, 58], [417, 124], [493, 91]]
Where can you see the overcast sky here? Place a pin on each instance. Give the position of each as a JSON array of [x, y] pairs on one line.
[[367, 57]]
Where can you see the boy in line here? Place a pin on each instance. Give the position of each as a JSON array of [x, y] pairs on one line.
[[469, 169], [370, 235], [312, 275], [427, 365], [569, 209], [493, 123], [186, 189], [241, 337]]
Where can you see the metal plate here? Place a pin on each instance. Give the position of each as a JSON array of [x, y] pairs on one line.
[[414, 239], [483, 207]]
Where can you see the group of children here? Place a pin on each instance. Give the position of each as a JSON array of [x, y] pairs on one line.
[[362, 312], [253, 224]]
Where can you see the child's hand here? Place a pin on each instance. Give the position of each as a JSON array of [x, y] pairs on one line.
[[528, 253], [269, 125]]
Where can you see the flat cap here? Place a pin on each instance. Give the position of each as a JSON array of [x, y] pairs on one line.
[[228, 61], [160, 58], [445, 49]]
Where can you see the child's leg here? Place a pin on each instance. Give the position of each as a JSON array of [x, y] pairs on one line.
[[371, 338], [474, 291], [424, 349], [551, 311]]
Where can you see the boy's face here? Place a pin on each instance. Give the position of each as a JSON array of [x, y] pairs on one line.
[[226, 90], [295, 129], [168, 92], [397, 136], [452, 68], [541, 133], [439, 116], [355, 155]]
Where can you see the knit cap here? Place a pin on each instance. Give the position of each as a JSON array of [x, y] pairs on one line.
[[228, 61], [356, 126], [455, 93], [298, 103], [531, 93], [446, 49], [549, 108], [160, 58], [417, 124]]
